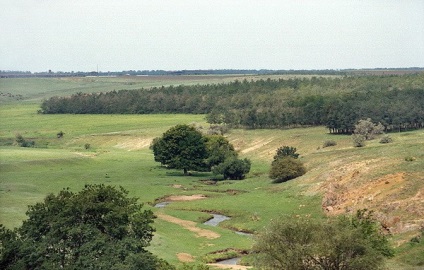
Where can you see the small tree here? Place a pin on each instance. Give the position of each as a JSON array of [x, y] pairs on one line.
[[284, 169], [233, 168], [368, 129], [286, 151]]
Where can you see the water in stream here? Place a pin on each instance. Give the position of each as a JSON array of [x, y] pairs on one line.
[[216, 220], [232, 261], [162, 204]]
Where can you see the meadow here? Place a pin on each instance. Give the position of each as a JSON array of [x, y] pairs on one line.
[[114, 150]]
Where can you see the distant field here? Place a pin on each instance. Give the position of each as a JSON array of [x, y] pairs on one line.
[[36, 89], [118, 154]]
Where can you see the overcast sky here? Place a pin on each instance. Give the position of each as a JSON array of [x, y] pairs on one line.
[[79, 35]]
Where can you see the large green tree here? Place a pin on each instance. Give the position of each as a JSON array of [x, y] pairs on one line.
[[347, 243], [181, 147], [96, 228]]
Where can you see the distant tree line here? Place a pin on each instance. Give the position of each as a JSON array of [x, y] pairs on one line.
[[336, 102], [50, 73]]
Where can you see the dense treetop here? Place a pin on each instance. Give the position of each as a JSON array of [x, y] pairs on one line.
[[96, 228], [337, 102]]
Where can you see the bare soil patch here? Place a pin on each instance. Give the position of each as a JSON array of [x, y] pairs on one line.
[[226, 266], [255, 145], [132, 144], [189, 225], [175, 198], [185, 257], [384, 195]]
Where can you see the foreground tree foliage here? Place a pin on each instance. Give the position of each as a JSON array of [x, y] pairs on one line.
[[347, 243], [96, 228]]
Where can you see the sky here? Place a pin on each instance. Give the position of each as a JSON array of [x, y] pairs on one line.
[[112, 35]]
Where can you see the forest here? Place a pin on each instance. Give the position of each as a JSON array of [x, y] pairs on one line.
[[337, 102]]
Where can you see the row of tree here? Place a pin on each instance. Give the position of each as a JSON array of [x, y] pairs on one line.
[[338, 103]]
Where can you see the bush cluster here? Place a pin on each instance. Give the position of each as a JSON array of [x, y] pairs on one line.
[[286, 165], [329, 143], [22, 142]]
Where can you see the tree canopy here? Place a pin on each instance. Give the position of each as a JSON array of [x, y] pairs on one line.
[[181, 147], [336, 102], [349, 243], [184, 147], [219, 149], [96, 228]]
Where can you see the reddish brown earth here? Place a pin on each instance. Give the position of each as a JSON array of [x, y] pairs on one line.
[[395, 202]]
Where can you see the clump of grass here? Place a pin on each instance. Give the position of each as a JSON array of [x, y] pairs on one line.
[[409, 158], [329, 143]]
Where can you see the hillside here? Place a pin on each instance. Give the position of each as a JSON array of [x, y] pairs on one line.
[[387, 178]]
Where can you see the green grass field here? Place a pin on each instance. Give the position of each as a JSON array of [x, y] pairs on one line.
[[118, 154]]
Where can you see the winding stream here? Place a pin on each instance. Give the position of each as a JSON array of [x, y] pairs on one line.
[[214, 221]]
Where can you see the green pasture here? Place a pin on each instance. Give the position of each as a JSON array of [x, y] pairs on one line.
[[118, 154], [36, 89]]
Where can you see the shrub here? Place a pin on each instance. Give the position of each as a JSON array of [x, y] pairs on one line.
[[60, 134], [285, 169], [218, 129], [329, 143], [344, 243], [286, 151], [87, 146], [358, 140], [368, 129], [22, 142], [233, 168], [386, 139]]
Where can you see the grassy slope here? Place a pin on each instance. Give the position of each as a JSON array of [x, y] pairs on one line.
[[119, 155]]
